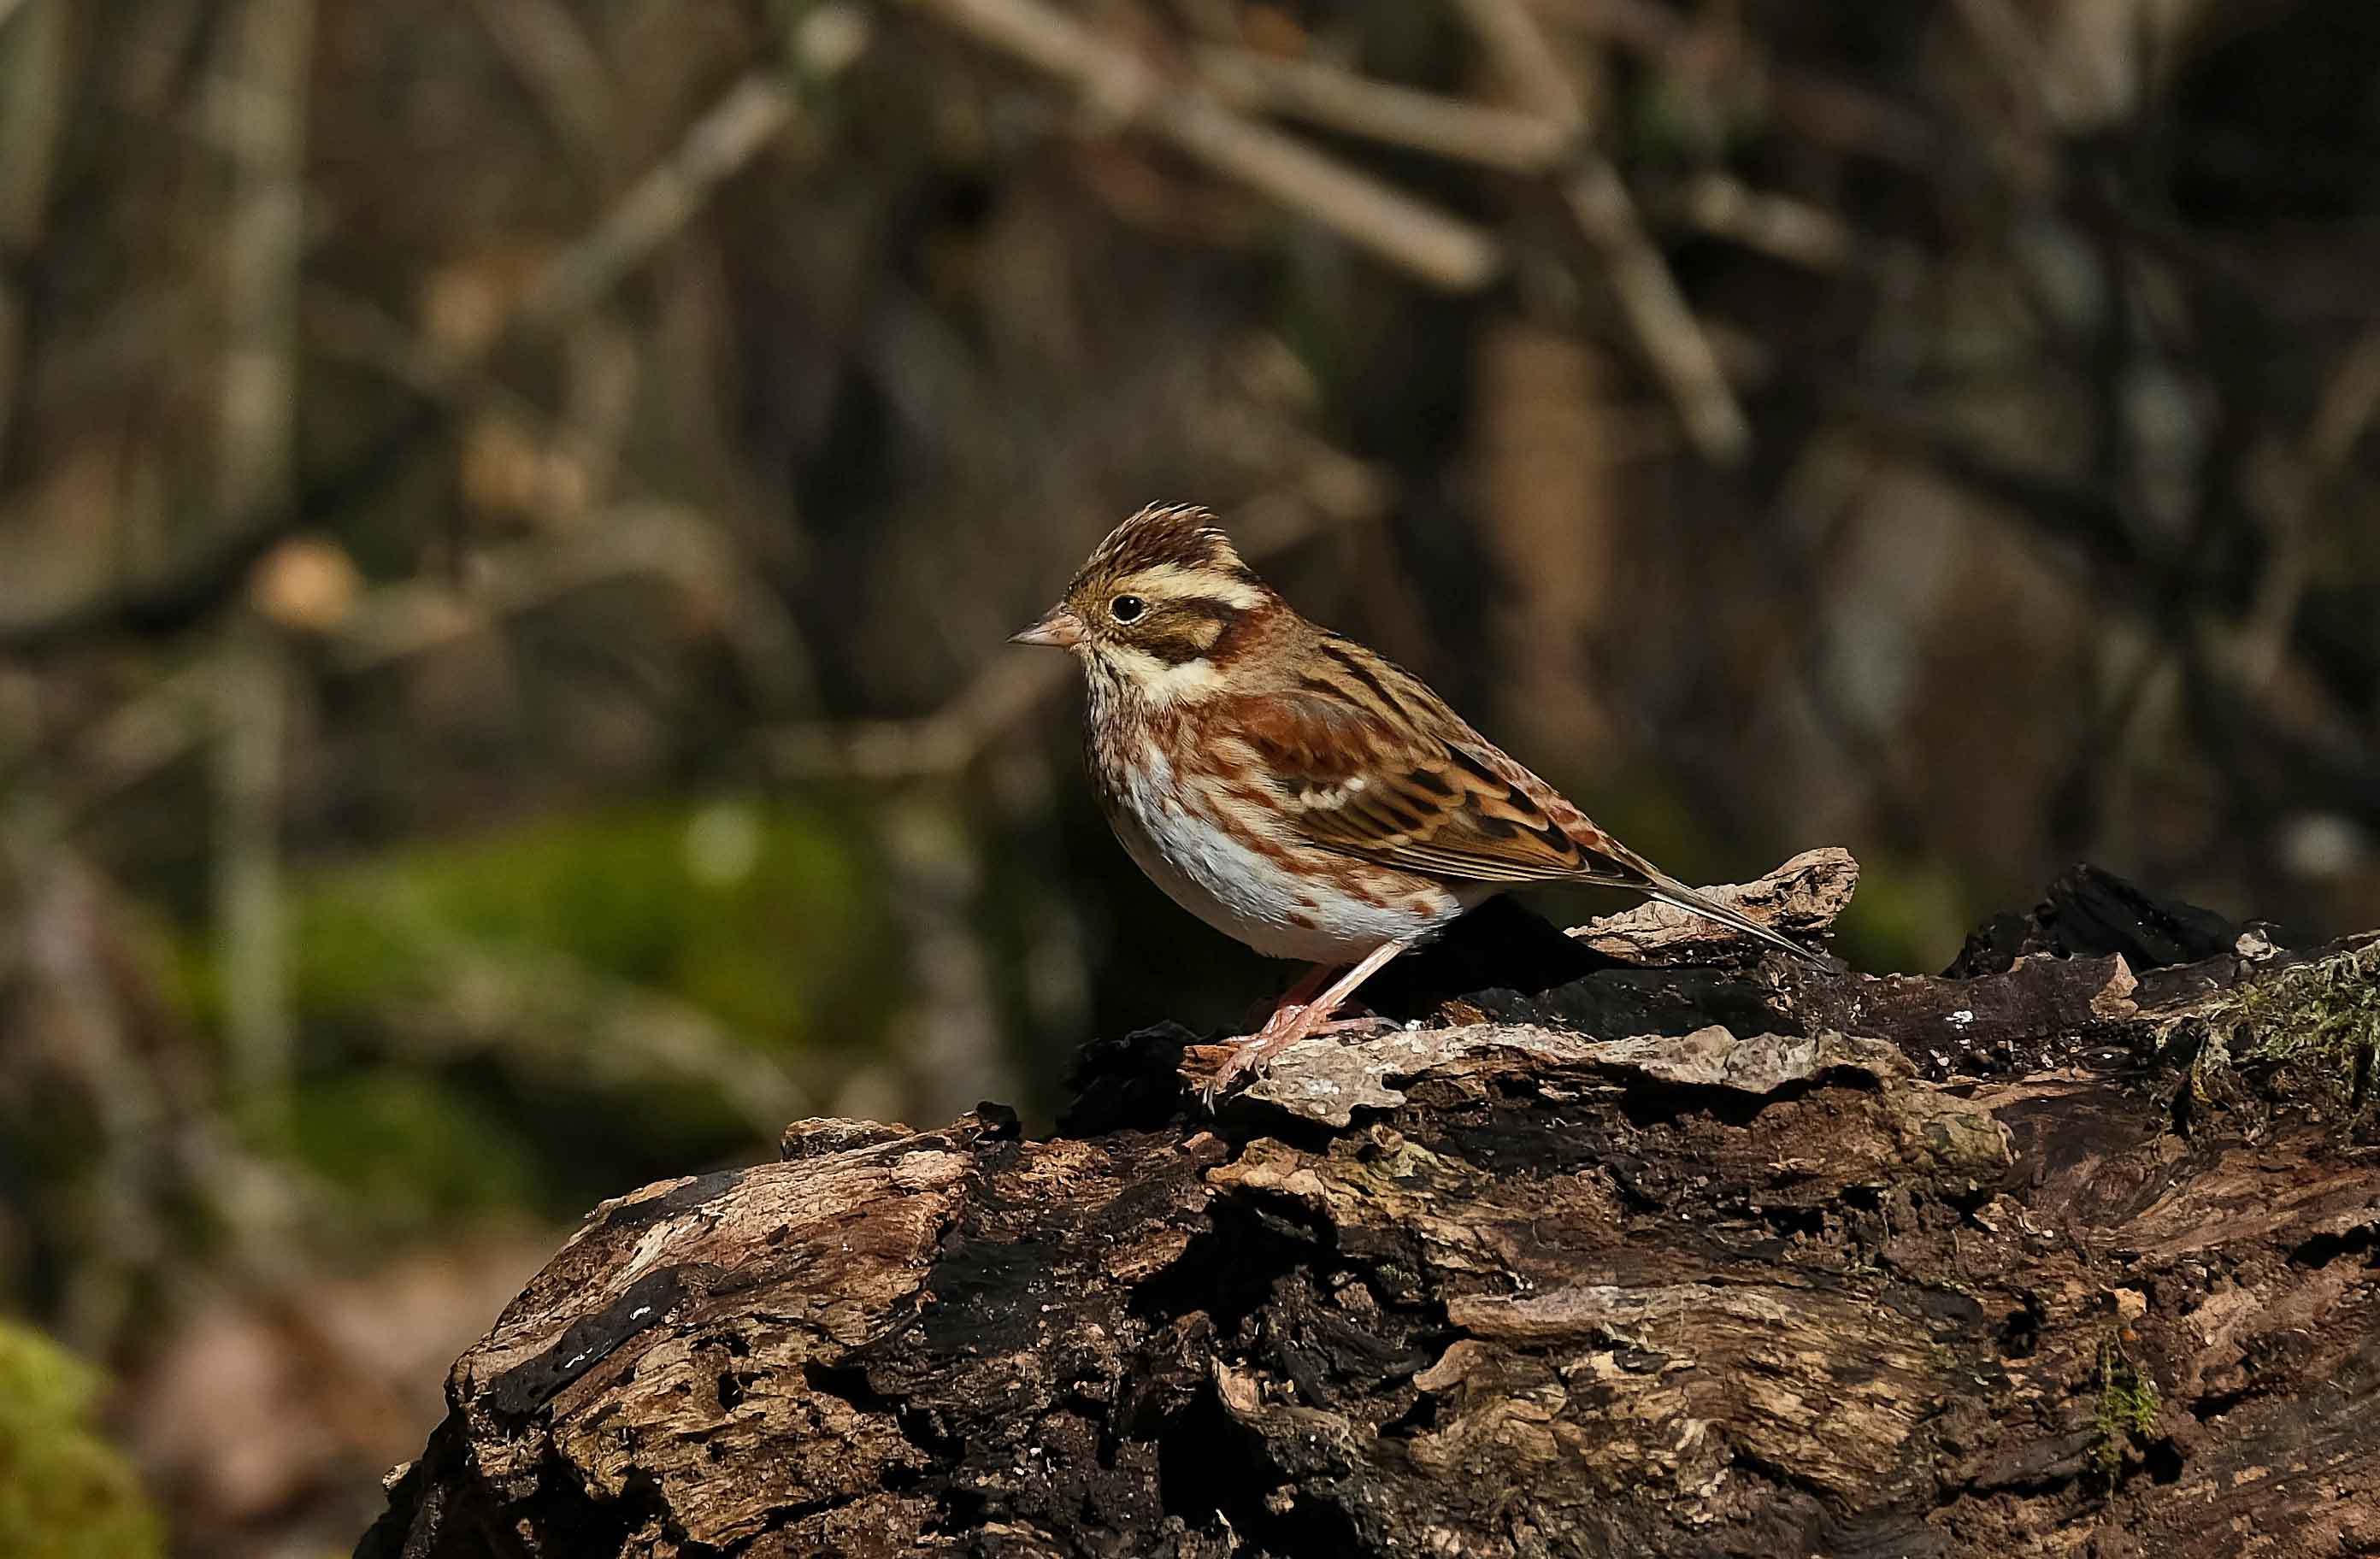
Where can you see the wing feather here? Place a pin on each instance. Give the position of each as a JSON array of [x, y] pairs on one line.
[[1362, 779], [1372, 763]]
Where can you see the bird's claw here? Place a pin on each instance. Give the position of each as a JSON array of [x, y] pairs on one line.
[[1285, 1028]]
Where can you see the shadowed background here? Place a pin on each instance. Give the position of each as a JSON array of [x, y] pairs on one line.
[[510, 508]]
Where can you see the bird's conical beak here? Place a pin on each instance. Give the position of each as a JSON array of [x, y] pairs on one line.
[[1059, 626]]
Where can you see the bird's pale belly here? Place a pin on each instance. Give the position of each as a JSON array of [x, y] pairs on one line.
[[1262, 898]]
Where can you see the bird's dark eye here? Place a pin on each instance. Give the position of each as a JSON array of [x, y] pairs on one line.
[[1127, 608]]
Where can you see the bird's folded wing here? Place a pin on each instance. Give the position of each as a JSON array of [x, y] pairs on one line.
[[1379, 789]]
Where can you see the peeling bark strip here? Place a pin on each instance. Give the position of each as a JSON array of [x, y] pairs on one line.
[[1652, 1262]]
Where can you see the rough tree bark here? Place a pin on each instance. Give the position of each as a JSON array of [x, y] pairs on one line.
[[2075, 1250]]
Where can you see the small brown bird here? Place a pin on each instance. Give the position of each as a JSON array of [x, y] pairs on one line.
[[1295, 790]]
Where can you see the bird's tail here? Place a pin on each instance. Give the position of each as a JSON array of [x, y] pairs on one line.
[[1670, 892]]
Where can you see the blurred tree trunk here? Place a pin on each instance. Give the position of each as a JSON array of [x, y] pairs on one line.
[[1550, 446], [35, 87]]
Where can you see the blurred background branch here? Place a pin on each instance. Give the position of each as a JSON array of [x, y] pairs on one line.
[[257, 109], [1339, 99], [1116, 86]]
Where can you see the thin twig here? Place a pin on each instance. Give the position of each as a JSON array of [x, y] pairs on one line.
[[1672, 338], [665, 197], [1844, 117], [1665, 328], [2347, 408], [1381, 111], [259, 107], [561, 67], [1443, 250], [251, 678], [1793, 231], [1538, 77]]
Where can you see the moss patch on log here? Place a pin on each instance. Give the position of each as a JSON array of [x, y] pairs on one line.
[[2319, 1019]]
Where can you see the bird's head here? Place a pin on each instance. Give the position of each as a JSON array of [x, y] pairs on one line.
[[1160, 608]]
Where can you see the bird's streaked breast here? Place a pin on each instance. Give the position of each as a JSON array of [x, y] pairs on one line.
[[1204, 831]]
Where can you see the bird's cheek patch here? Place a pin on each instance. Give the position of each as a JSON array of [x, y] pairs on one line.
[[1175, 648], [1181, 638], [1162, 682]]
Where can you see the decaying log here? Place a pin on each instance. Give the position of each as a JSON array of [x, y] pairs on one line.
[[2075, 1251]]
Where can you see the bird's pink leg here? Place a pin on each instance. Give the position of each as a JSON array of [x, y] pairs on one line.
[[1293, 1021], [1301, 993]]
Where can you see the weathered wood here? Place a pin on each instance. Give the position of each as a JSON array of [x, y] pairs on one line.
[[1805, 894], [1646, 1263]]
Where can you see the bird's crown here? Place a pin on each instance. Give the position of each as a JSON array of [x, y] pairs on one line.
[[1167, 536]]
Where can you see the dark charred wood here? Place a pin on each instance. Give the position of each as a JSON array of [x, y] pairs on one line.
[[1679, 1260], [2092, 913]]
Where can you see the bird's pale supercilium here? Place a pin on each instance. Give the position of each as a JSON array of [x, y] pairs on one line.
[[1295, 790]]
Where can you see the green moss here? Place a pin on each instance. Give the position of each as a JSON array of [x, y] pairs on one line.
[[410, 1147], [757, 916], [65, 1493], [2127, 1405], [743, 912], [2322, 1016], [502, 1019]]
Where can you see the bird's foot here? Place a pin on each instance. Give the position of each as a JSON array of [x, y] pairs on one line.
[[1289, 1023]]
